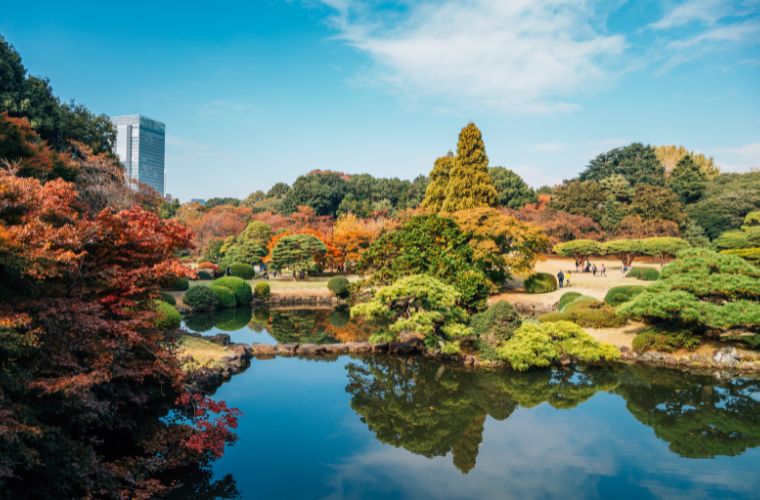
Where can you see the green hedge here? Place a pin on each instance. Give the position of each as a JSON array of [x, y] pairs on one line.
[[644, 274], [261, 292], [540, 283], [566, 298], [339, 286], [205, 275], [620, 294], [240, 287], [587, 312], [168, 318], [168, 298], [241, 270], [224, 296], [201, 298], [665, 341], [178, 284]]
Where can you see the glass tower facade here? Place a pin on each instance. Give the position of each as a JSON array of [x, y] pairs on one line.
[[141, 146]]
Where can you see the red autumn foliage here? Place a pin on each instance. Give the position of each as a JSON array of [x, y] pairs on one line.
[[633, 226], [86, 373], [558, 225]]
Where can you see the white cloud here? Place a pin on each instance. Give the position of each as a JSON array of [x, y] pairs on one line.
[[524, 56], [704, 11], [739, 159]]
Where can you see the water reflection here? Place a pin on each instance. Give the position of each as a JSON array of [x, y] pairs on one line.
[[283, 325], [433, 410]]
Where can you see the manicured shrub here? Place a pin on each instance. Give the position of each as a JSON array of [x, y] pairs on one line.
[[168, 298], [665, 341], [540, 283], [178, 284], [536, 345], [751, 255], [240, 287], [261, 292], [207, 265], [242, 270], [566, 298], [587, 312], [201, 298], [168, 318], [473, 286], [619, 294], [224, 296], [496, 324], [205, 275], [339, 286], [644, 274]]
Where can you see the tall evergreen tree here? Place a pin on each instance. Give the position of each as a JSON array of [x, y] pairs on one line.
[[470, 185], [435, 194], [688, 180]]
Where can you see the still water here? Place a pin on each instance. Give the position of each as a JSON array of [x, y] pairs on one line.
[[382, 427]]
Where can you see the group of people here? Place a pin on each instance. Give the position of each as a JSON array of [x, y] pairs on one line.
[[564, 279]]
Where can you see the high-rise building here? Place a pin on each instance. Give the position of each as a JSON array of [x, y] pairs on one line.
[[140, 146]]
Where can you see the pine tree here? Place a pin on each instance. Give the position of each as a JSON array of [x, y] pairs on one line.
[[439, 179], [688, 180], [470, 184]]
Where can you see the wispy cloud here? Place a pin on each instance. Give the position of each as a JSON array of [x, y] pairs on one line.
[[525, 56]]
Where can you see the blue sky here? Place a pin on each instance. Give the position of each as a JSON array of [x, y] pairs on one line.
[[253, 93]]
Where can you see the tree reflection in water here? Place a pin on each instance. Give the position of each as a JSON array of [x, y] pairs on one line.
[[432, 409]]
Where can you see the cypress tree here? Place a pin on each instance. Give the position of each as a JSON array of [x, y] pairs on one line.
[[470, 184], [688, 180], [435, 194]]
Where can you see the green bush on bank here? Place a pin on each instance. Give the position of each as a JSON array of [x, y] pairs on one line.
[[168, 298], [242, 270], [654, 339], [201, 298], [536, 345], [240, 287], [178, 284], [167, 317], [644, 274], [339, 286], [566, 298], [225, 297], [204, 275], [619, 294], [261, 292], [587, 312], [540, 283], [496, 324]]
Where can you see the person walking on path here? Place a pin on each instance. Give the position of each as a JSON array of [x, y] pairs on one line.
[[561, 278], [603, 271], [593, 269], [567, 279]]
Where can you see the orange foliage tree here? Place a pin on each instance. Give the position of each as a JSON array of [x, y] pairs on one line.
[[84, 364], [352, 236]]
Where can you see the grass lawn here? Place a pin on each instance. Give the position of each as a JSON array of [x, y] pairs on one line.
[[201, 353]]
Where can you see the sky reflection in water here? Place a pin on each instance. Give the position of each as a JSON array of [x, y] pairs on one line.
[[407, 428]]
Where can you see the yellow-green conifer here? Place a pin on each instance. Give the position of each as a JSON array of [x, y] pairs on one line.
[[470, 185]]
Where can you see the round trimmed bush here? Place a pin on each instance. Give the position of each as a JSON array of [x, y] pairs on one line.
[[566, 298], [540, 283], [497, 323], [205, 275], [224, 296], [665, 341], [241, 270], [168, 298], [644, 274], [620, 294], [178, 284], [168, 318], [240, 287], [339, 286], [261, 291], [201, 298]]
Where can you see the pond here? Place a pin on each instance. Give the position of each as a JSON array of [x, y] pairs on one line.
[[383, 427]]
